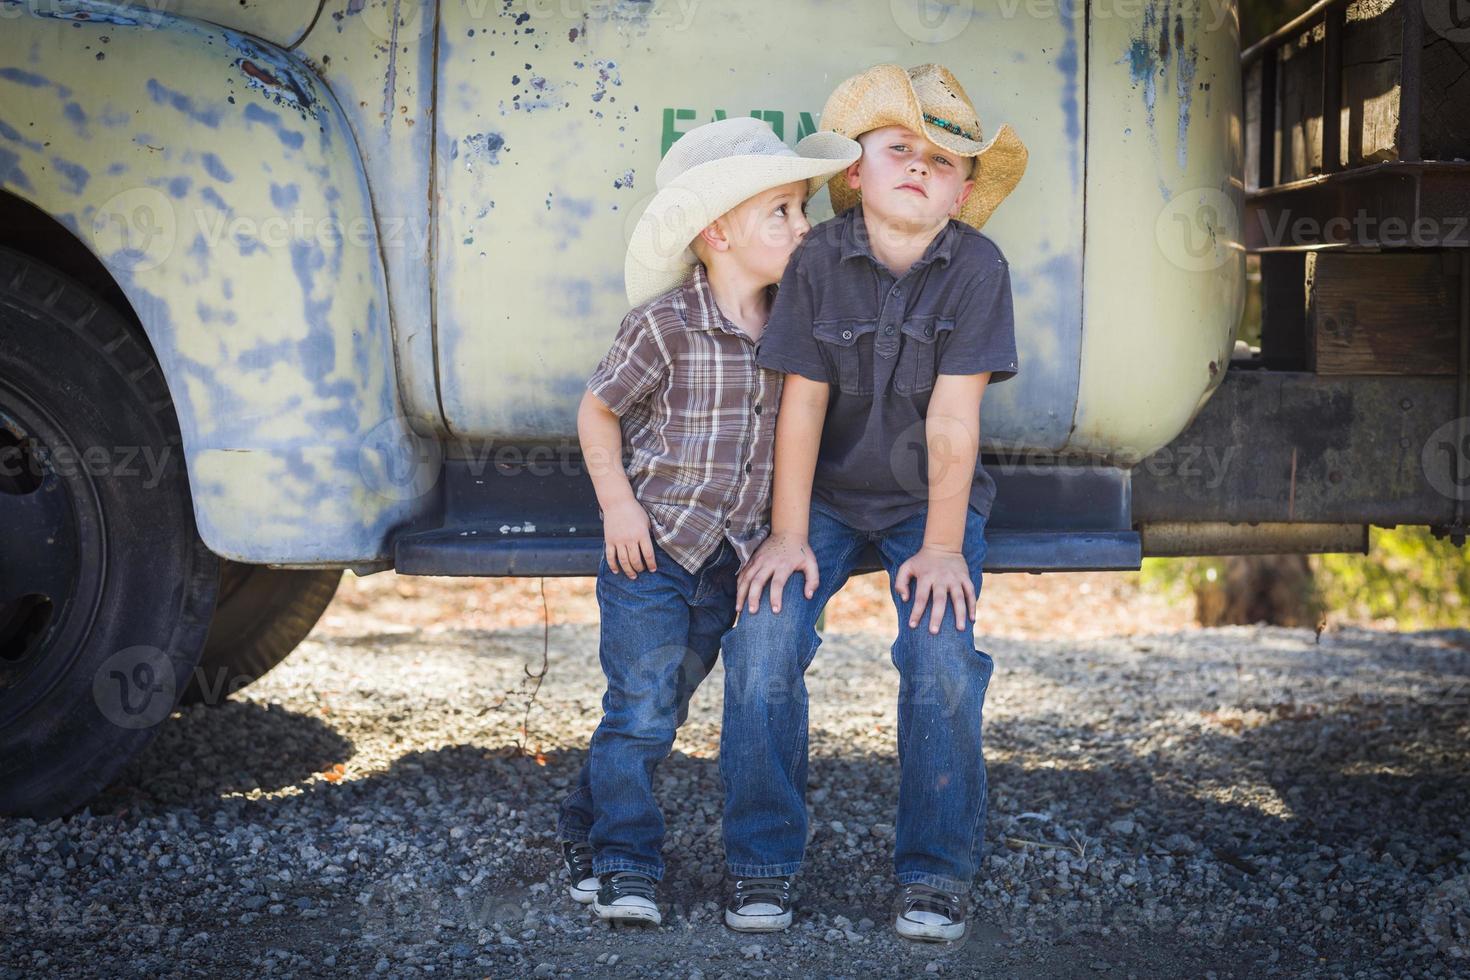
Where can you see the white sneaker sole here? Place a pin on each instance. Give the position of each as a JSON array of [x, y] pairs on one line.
[[757, 923], [627, 913], [929, 932], [583, 892]]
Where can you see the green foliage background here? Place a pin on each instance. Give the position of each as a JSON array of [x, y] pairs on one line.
[[1408, 576]]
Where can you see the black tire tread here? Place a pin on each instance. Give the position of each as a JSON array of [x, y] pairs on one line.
[[277, 625], [108, 332]]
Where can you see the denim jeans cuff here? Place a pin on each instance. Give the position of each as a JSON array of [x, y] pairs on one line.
[[566, 834], [953, 885], [765, 870], [607, 866]]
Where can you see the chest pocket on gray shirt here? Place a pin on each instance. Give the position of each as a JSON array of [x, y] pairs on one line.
[[918, 361], [849, 357]]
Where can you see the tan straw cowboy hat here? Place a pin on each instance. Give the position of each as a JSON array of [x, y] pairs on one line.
[[708, 171], [926, 100]]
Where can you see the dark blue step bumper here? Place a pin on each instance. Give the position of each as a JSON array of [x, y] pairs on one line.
[[498, 518]]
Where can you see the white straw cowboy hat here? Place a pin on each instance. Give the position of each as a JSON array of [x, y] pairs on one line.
[[710, 170], [926, 100]]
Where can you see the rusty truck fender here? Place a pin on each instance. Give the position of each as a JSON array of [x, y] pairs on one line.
[[218, 180]]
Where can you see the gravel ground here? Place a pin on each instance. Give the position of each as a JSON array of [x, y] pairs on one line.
[[1233, 802]]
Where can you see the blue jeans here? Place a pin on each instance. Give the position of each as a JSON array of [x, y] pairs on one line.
[[660, 638], [941, 697]]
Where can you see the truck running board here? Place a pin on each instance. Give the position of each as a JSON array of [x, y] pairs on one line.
[[541, 519]]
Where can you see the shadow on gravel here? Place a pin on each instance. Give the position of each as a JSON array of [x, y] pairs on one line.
[[1367, 784], [205, 753]]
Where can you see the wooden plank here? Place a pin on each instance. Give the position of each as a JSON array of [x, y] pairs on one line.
[[1255, 126], [1371, 46], [1300, 107], [1371, 113], [1383, 313]]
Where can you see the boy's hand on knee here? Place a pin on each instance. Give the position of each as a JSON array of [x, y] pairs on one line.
[[778, 558], [942, 576], [626, 540]]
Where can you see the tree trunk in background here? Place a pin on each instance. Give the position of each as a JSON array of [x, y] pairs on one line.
[[1274, 589]]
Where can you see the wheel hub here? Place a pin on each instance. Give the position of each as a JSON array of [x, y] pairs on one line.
[[39, 556]]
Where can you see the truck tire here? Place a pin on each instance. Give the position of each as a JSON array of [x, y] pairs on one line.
[[262, 615], [106, 590]]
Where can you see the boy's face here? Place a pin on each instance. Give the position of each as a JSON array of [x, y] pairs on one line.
[[908, 181], [761, 232]]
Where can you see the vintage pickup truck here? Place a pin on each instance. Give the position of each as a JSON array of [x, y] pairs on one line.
[[291, 287]]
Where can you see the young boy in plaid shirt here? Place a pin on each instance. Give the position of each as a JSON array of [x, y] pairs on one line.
[[681, 393]]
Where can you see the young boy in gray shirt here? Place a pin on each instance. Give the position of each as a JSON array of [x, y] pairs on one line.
[[891, 321]]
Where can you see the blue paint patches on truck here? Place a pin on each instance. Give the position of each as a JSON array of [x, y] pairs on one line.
[[285, 197], [10, 172], [1186, 60], [163, 95], [76, 176], [289, 139], [77, 116], [1067, 64], [216, 169], [212, 198], [9, 132], [22, 77]]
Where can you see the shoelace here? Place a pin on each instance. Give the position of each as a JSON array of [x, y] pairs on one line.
[[624, 884], [578, 855], [775, 891], [923, 898]]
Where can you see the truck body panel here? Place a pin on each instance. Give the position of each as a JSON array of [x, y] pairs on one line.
[[405, 238], [379, 57], [1165, 276], [551, 127]]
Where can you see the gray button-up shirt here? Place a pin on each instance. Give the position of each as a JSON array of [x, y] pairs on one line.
[[842, 318]]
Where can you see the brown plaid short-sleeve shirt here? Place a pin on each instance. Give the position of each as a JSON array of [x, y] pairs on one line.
[[698, 420]]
